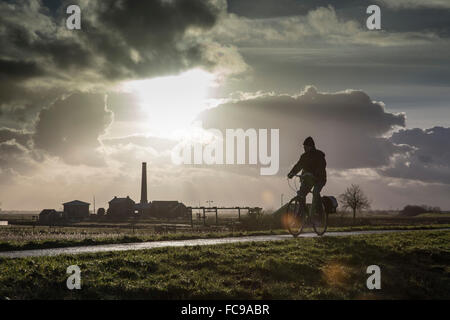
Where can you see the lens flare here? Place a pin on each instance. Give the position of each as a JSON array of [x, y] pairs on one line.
[[336, 274]]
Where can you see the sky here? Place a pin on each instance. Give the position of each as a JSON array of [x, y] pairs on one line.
[[81, 109]]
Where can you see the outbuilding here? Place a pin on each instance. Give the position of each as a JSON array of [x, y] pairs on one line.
[[76, 209], [50, 216], [121, 207]]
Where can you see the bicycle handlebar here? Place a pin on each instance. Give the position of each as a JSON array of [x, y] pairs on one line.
[[295, 188], [297, 175]]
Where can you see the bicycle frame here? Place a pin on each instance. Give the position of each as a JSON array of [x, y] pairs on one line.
[[307, 215]]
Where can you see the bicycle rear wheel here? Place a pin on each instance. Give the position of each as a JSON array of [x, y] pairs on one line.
[[320, 222], [295, 218]]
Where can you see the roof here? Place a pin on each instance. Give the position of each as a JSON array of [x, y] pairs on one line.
[[165, 202], [116, 200], [143, 205], [76, 203], [48, 211], [166, 205]]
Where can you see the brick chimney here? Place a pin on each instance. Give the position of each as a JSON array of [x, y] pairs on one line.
[[144, 184]]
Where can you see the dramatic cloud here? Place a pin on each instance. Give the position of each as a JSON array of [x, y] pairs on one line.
[[416, 3], [19, 136], [41, 60], [153, 42], [16, 153], [16, 160], [347, 125], [314, 27], [289, 44], [394, 12], [71, 128], [67, 120], [430, 159]]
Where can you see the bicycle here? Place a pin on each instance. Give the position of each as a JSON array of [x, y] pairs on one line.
[[295, 220]]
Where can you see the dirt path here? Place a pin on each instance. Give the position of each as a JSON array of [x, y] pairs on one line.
[[180, 243]]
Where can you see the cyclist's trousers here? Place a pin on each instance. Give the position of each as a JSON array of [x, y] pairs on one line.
[[305, 188]]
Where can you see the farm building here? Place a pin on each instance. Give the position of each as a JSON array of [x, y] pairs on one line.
[[168, 209], [50, 216], [121, 207], [158, 209], [126, 207], [76, 209], [143, 208]]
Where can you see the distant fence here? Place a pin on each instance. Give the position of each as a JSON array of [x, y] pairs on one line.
[[202, 211]]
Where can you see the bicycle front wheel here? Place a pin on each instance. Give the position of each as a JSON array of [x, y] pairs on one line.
[[320, 222], [295, 218]]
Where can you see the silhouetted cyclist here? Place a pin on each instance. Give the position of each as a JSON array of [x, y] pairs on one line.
[[314, 175]]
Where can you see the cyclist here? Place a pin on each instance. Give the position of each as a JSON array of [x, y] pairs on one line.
[[314, 175]]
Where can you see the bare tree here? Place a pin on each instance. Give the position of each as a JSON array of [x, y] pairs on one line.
[[354, 198]]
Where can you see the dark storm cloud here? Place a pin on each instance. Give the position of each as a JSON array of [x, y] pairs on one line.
[[162, 21], [145, 38], [348, 125], [43, 45], [120, 39], [419, 19], [10, 152], [19, 105], [397, 16], [430, 159], [350, 67], [258, 9], [10, 92], [433, 143], [21, 137], [19, 69], [41, 61], [15, 157], [407, 67], [70, 128], [12, 73]]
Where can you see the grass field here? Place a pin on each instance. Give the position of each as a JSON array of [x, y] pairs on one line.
[[41, 237], [25, 235], [414, 265]]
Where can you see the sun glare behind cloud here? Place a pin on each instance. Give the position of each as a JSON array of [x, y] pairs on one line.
[[173, 102]]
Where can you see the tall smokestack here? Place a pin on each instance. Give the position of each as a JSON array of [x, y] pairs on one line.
[[144, 183]]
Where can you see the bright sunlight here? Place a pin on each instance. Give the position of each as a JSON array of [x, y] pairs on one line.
[[173, 102]]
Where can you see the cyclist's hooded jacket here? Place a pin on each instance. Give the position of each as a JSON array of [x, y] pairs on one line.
[[313, 162]]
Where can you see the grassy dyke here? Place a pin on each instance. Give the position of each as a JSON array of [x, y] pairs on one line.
[[414, 265]]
